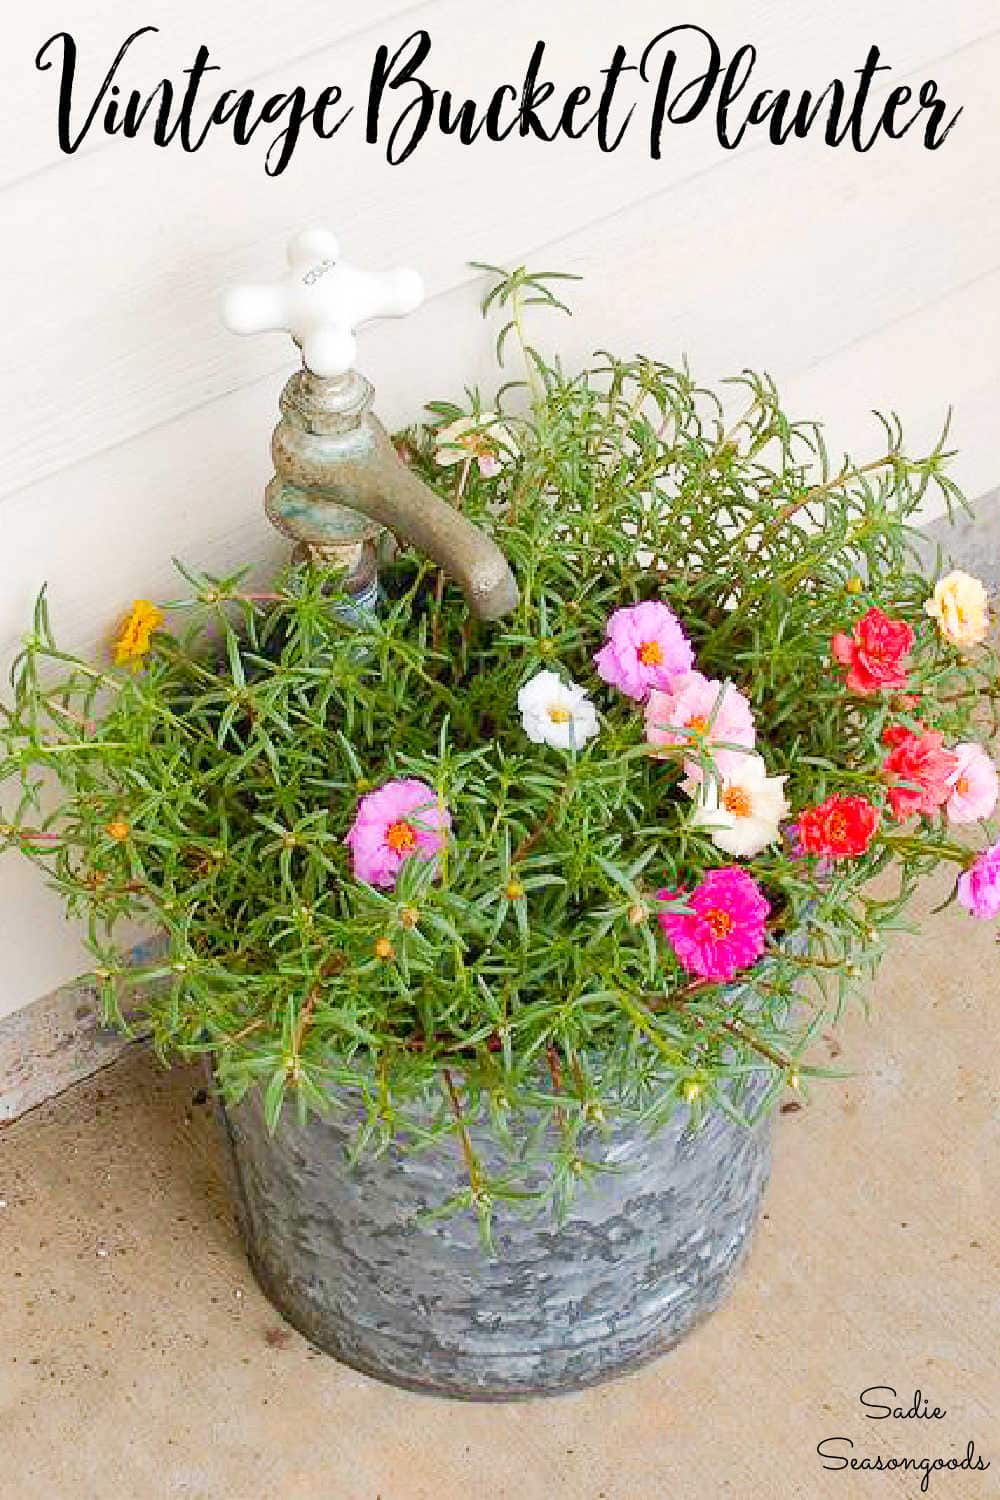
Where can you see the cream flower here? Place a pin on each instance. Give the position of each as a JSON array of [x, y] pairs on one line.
[[556, 713], [960, 605], [741, 812], [486, 440]]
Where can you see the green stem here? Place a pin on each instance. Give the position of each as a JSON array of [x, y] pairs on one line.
[[534, 380], [73, 747], [954, 852], [737, 1029], [986, 691], [32, 835], [733, 1027], [804, 961], [744, 421], [469, 1155], [812, 493], [640, 1018]]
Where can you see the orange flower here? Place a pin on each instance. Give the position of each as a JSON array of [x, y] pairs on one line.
[[132, 640]]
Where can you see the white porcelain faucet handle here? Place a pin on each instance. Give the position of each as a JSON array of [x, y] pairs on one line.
[[322, 302]]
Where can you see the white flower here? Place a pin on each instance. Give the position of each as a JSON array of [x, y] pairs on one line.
[[486, 440], [556, 713], [741, 812]]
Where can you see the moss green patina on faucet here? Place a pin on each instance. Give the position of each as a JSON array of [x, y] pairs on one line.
[[338, 480]]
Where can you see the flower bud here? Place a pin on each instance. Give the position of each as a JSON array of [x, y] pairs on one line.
[[384, 950]]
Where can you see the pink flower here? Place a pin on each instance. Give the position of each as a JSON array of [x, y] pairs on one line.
[[920, 770], [400, 819], [646, 648], [979, 886], [974, 785], [725, 929], [703, 714]]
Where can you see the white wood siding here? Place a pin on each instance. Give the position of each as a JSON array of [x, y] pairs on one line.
[[135, 428]]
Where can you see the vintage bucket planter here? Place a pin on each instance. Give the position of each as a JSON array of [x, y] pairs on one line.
[[560, 800], [349, 1257]]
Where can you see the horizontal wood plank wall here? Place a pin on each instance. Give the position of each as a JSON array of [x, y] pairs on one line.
[[135, 428]]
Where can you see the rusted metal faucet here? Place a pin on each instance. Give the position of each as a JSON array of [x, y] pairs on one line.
[[338, 480]]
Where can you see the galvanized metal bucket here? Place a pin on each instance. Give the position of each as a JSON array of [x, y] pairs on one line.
[[347, 1254]]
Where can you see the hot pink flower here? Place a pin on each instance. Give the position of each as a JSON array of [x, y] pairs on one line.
[[400, 819], [725, 929], [703, 714], [646, 648], [974, 785], [979, 886]]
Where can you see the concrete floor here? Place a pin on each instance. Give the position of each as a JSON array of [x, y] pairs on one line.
[[139, 1359]]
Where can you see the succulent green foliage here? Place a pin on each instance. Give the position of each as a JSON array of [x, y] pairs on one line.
[[529, 980]]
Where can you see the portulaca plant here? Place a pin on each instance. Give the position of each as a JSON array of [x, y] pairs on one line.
[[605, 859]]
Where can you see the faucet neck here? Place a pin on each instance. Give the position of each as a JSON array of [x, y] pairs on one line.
[[327, 404], [321, 436]]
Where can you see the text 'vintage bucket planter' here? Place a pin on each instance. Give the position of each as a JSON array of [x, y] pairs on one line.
[[349, 1257]]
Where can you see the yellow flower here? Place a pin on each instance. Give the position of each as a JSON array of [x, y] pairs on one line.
[[132, 640], [118, 831], [961, 607]]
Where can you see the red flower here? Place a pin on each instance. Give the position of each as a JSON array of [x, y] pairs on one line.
[[840, 827], [875, 652], [897, 734], [922, 763]]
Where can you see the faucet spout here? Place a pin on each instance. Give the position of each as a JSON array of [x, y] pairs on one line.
[[338, 480]]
